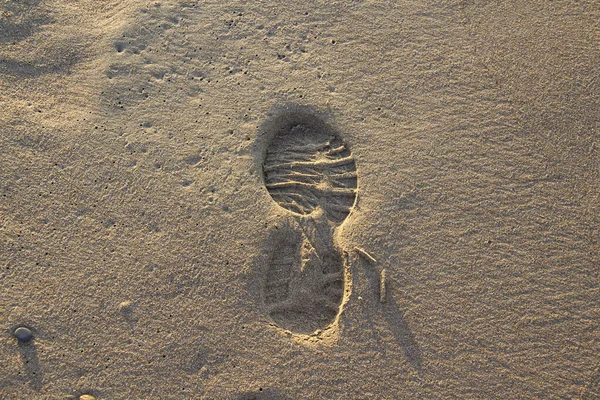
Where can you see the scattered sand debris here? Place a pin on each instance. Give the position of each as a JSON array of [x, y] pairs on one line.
[[364, 254], [382, 286]]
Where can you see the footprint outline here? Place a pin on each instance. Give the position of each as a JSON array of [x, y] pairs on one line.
[[310, 172]]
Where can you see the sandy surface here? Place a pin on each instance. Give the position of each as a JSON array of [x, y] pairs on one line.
[[136, 231]]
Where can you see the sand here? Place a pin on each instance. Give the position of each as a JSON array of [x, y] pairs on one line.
[[138, 236]]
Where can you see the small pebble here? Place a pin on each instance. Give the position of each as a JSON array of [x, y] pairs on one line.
[[86, 397], [23, 334], [126, 307]]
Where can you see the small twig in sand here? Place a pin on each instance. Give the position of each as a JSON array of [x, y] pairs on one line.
[[382, 286], [364, 254]]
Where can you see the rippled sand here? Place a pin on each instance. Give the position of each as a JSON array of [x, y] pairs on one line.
[[163, 239]]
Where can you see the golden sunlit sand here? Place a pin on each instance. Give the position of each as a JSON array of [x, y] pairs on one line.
[[299, 200]]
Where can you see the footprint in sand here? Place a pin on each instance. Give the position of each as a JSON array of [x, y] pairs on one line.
[[311, 173]]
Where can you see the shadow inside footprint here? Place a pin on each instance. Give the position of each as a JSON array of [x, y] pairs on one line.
[[304, 281]]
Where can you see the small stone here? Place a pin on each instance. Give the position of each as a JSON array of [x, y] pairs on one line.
[[126, 307], [86, 397], [23, 334]]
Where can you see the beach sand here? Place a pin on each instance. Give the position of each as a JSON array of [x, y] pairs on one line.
[[147, 243]]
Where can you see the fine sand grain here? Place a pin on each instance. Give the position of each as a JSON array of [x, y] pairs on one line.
[[300, 200]]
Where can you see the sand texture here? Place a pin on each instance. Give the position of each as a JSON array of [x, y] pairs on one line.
[[300, 200]]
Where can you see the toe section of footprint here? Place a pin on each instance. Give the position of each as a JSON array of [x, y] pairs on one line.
[[308, 167], [303, 290], [284, 245]]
